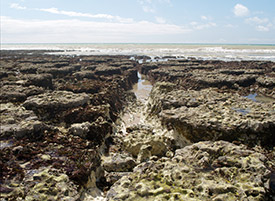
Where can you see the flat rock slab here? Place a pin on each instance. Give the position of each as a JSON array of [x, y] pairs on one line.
[[16, 121], [210, 115], [56, 100], [18, 93], [203, 171]]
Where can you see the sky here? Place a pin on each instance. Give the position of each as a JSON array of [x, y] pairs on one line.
[[138, 21]]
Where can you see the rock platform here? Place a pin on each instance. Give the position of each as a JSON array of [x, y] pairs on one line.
[[73, 129]]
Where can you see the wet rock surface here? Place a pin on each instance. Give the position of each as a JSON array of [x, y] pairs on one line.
[[84, 128]]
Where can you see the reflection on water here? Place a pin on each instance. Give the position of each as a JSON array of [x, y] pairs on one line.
[[252, 97], [142, 89], [242, 111], [4, 144], [259, 98], [135, 116]]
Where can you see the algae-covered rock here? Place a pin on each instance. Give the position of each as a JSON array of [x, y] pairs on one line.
[[202, 171], [140, 136], [49, 184]]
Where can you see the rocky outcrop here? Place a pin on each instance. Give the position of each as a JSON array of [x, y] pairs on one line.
[[18, 93], [58, 72], [72, 130], [18, 122], [118, 163], [211, 115], [142, 138], [196, 74], [56, 101], [266, 81], [107, 70], [48, 184], [203, 171], [54, 120], [40, 80]]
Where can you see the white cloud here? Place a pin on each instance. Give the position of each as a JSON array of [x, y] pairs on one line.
[[78, 14], [256, 20], [204, 17], [262, 28], [240, 10], [198, 26], [17, 6], [80, 31], [230, 26], [160, 20], [148, 9], [260, 24], [149, 6]]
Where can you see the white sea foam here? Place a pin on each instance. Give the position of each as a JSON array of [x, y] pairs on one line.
[[223, 52]]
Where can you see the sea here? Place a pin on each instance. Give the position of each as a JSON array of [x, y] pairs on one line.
[[227, 52]]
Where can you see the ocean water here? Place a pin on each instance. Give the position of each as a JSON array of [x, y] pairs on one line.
[[226, 52]]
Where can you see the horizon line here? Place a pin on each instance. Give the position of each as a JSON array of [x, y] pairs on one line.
[[153, 43]]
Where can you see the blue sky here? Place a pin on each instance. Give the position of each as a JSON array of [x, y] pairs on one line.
[[138, 21]]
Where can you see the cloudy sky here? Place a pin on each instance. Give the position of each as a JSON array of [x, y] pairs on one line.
[[138, 21]]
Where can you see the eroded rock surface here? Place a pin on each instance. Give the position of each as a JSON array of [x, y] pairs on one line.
[[54, 119], [18, 122], [212, 115], [72, 130], [203, 171]]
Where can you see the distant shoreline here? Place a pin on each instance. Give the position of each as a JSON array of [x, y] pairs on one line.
[[195, 44]]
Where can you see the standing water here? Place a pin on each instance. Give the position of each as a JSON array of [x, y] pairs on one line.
[[142, 89], [134, 114]]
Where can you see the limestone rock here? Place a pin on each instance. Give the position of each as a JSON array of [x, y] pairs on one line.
[[18, 122], [18, 93], [118, 163], [107, 70], [202, 171], [49, 184], [56, 100], [84, 74], [41, 80], [80, 129], [140, 139], [266, 81], [211, 115]]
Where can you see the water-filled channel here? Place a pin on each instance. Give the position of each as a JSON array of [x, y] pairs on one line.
[[134, 113], [142, 89]]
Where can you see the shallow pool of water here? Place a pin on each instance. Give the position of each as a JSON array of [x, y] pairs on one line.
[[242, 111], [142, 89], [259, 98]]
